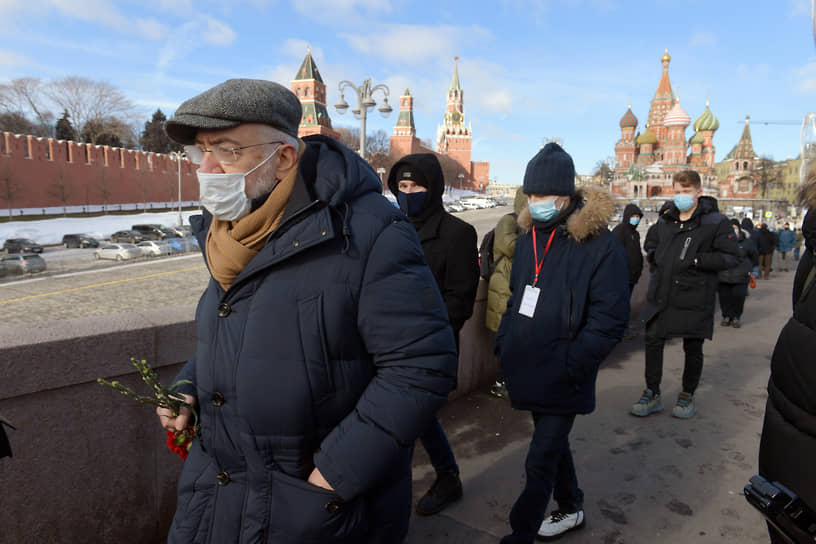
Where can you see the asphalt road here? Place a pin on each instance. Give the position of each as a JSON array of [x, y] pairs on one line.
[[77, 285]]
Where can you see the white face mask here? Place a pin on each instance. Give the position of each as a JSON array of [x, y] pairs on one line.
[[224, 195]]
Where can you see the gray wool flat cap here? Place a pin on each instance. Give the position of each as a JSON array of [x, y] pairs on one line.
[[232, 103]]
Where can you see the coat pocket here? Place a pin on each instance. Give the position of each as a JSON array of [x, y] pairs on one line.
[[689, 294], [313, 344], [307, 514]]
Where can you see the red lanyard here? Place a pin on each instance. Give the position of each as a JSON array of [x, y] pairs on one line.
[[539, 264]]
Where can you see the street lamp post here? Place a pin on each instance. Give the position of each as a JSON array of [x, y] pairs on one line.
[[461, 176], [381, 172], [177, 156], [365, 102]]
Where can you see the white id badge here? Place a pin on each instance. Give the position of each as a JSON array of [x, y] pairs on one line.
[[529, 300]]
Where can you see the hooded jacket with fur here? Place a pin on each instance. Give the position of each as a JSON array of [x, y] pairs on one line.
[[550, 361]]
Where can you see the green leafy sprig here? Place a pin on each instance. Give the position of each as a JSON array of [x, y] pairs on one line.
[[163, 397]]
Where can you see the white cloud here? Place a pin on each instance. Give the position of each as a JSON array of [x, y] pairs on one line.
[[216, 33], [703, 39], [106, 14], [805, 78], [799, 8], [10, 58], [345, 9], [416, 44], [753, 71]]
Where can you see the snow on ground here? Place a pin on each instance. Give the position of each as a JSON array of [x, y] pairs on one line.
[[50, 231]]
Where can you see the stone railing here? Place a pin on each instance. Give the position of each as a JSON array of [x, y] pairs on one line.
[[90, 465]]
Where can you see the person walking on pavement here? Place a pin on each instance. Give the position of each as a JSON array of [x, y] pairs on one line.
[[449, 246], [627, 233], [693, 241], [498, 289], [324, 348], [785, 242], [752, 234], [787, 445], [733, 283], [766, 243], [568, 309]]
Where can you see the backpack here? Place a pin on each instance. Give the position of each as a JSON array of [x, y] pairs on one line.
[[487, 265]]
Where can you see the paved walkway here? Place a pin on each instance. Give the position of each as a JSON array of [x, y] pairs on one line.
[[657, 479]]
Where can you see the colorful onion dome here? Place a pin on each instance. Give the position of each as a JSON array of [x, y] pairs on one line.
[[706, 121], [628, 120], [648, 137], [697, 139], [677, 117]]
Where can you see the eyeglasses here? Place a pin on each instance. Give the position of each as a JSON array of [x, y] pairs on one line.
[[223, 154]]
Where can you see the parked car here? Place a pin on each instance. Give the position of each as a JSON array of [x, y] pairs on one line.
[[130, 236], [182, 245], [153, 248], [23, 263], [153, 232], [22, 245], [182, 231], [79, 240], [118, 252]]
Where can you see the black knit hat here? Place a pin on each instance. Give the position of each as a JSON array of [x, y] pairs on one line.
[[550, 172], [411, 172]]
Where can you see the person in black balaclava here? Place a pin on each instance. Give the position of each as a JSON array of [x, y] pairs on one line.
[[449, 245]]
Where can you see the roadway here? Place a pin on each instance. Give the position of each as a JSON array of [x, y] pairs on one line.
[[77, 285]]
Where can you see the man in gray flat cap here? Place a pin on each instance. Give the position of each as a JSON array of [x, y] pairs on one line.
[[324, 347]]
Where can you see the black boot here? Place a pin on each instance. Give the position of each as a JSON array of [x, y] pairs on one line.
[[446, 490], [725, 322]]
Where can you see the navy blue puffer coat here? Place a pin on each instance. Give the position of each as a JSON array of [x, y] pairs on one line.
[[330, 349], [550, 361]]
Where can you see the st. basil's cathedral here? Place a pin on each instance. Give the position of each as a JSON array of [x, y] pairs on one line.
[[646, 161]]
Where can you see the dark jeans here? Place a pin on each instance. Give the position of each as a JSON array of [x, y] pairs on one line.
[[765, 263], [732, 298], [436, 443], [693, 369], [550, 470]]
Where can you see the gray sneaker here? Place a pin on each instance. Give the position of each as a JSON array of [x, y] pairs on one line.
[[648, 404], [684, 409]]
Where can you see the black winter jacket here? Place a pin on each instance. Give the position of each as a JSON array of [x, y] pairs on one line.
[[550, 361], [630, 238], [767, 240], [681, 294], [788, 443], [746, 253], [449, 244], [331, 349]]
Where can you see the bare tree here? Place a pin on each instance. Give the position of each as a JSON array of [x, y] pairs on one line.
[[376, 142], [350, 137], [767, 175], [25, 96], [60, 188], [9, 189], [86, 100], [603, 173]]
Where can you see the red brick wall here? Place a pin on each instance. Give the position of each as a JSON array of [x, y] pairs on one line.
[[90, 174]]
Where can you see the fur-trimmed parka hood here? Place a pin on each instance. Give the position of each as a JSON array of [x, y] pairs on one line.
[[591, 216]]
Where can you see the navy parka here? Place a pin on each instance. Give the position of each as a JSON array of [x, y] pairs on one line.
[[550, 361], [330, 349]]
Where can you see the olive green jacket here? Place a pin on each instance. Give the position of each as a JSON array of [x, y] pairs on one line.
[[504, 243]]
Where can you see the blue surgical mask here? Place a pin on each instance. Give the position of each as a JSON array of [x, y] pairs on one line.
[[412, 203], [543, 210], [684, 202], [634, 221]]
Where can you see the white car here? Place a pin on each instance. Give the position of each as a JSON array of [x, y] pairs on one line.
[[118, 252], [152, 248]]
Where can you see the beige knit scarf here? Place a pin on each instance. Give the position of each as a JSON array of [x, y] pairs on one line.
[[232, 244]]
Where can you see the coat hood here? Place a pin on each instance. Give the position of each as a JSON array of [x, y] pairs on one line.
[[591, 216], [428, 166], [629, 211], [520, 201], [747, 224], [340, 174]]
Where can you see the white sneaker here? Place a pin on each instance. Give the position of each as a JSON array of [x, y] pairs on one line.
[[559, 523]]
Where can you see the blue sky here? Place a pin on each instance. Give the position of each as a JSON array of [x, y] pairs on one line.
[[531, 69]]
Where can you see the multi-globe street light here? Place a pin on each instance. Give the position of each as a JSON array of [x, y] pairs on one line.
[[178, 156], [365, 102]]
